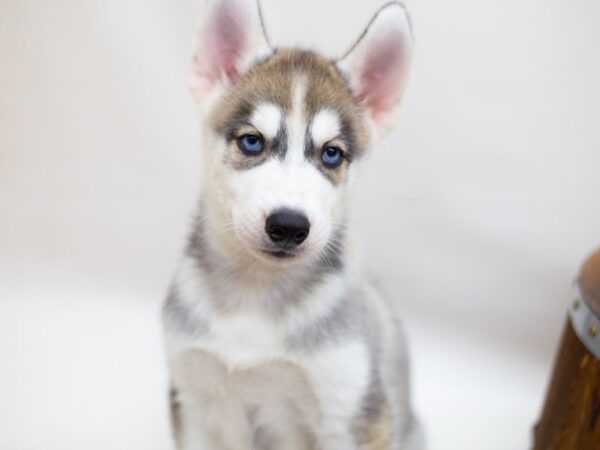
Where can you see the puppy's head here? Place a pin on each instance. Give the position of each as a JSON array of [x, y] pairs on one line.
[[284, 129]]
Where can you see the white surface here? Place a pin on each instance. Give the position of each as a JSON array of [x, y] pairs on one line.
[[475, 213]]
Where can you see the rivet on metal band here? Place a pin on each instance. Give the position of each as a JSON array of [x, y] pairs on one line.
[[586, 325]]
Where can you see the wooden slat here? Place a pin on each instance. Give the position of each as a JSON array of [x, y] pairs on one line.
[[570, 418]]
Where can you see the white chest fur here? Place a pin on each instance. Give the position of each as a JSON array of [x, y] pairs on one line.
[[243, 340], [243, 364]]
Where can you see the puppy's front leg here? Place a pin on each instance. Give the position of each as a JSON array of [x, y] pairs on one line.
[[205, 414], [211, 427], [336, 437], [340, 376]]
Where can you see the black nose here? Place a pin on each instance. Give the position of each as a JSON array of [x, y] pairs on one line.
[[287, 228]]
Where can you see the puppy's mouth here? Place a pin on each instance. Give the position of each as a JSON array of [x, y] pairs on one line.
[[279, 254]]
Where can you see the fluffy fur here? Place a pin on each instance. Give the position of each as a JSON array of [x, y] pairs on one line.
[[286, 349]]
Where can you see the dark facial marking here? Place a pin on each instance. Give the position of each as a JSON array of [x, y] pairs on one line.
[[238, 117], [280, 143], [309, 145]]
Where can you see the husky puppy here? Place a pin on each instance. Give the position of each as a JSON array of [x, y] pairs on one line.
[[275, 340]]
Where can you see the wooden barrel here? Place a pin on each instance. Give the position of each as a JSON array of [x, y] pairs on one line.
[[570, 417]]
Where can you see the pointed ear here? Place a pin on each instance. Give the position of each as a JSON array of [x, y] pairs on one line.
[[378, 64], [230, 41]]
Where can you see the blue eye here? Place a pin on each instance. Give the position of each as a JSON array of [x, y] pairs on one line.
[[250, 144], [332, 156]]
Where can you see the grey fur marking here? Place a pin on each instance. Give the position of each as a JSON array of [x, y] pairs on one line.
[[309, 145], [332, 258], [280, 143], [375, 398], [196, 244], [261, 438], [178, 317], [175, 410], [342, 320]]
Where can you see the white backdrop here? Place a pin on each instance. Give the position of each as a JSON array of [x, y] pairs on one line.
[[475, 213]]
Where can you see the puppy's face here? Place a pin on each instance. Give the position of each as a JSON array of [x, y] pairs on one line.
[[285, 140], [284, 130]]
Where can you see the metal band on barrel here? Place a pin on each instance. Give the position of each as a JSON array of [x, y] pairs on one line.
[[585, 324]]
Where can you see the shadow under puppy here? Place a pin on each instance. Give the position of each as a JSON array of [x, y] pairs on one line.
[[274, 338]]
